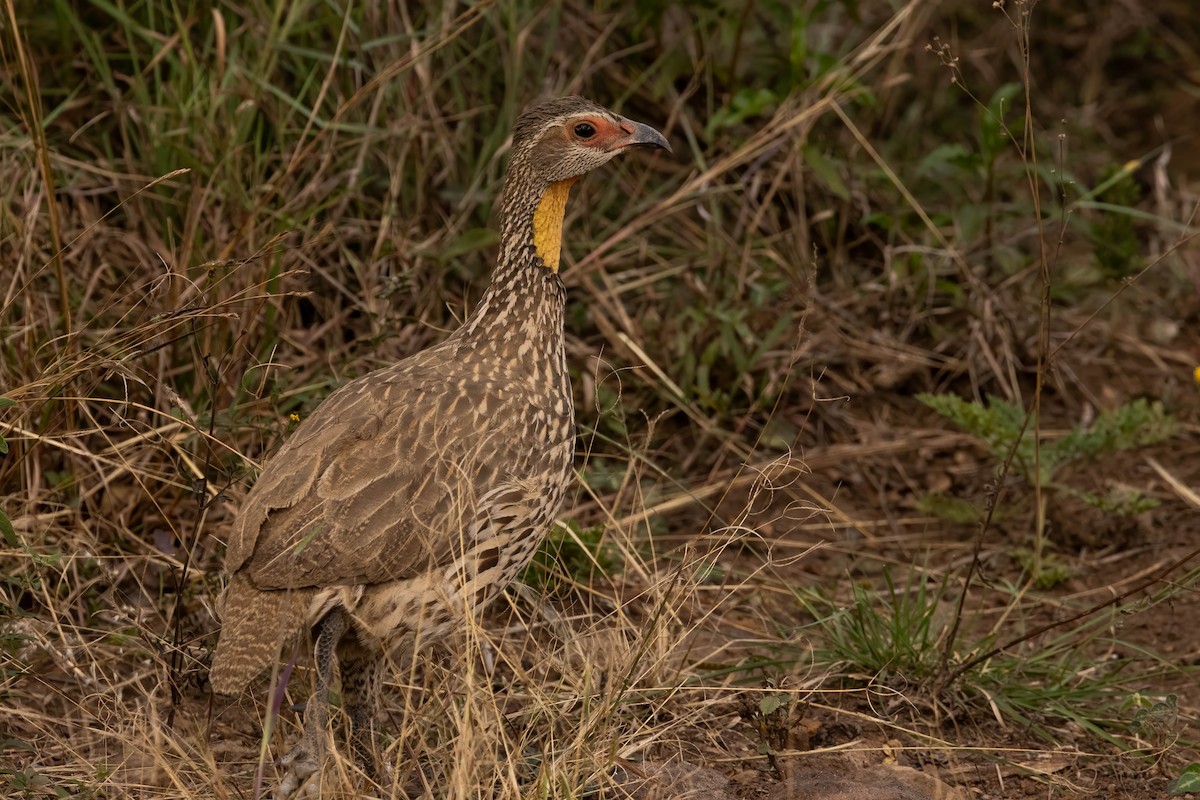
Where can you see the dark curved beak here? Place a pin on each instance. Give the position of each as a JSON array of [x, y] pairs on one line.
[[641, 135]]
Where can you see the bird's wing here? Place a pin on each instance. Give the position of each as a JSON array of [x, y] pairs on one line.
[[379, 483]]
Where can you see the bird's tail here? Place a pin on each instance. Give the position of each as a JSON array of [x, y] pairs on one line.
[[254, 626]]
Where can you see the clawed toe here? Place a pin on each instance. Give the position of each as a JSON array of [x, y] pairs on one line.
[[302, 779]]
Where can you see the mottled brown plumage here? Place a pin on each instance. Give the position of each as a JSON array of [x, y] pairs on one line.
[[413, 495]]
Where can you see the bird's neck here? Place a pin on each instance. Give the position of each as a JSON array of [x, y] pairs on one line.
[[519, 320], [547, 224], [523, 305], [533, 220]]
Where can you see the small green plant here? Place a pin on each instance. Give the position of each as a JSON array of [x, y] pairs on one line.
[[1004, 428], [1125, 501], [895, 636], [950, 509], [775, 717], [32, 783], [985, 168], [1188, 781], [999, 424], [732, 368], [892, 633], [745, 104], [1047, 570], [1158, 723], [571, 555], [1114, 234]]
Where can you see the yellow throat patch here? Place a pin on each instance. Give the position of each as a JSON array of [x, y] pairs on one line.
[[548, 222]]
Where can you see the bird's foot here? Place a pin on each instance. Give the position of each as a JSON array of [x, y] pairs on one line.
[[302, 778]]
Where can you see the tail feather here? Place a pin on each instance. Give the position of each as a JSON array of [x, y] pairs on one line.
[[254, 626]]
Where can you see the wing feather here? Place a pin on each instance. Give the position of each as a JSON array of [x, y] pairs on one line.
[[378, 484]]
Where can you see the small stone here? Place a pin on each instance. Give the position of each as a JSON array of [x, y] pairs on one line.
[[676, 780], [826, 781], [1162, 331]]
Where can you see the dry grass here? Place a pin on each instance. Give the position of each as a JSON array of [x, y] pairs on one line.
[[211, 215]]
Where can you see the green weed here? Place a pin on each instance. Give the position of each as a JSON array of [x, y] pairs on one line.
[[1188, 781], [572, 556], [890, 635], [1006, 429], [894, 639], [1013, 436], [1114, 235]]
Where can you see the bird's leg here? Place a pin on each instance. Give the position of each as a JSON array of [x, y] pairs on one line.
[[362, 679], [304, 759]]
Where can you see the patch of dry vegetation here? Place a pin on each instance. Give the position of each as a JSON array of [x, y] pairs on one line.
[[213, 214]]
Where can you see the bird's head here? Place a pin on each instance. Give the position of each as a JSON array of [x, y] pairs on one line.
[[554, 144], [567, 137]]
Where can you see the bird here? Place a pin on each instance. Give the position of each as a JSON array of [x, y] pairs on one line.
[[411, 496]]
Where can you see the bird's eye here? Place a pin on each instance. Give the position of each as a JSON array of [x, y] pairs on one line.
[[585, 130]]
